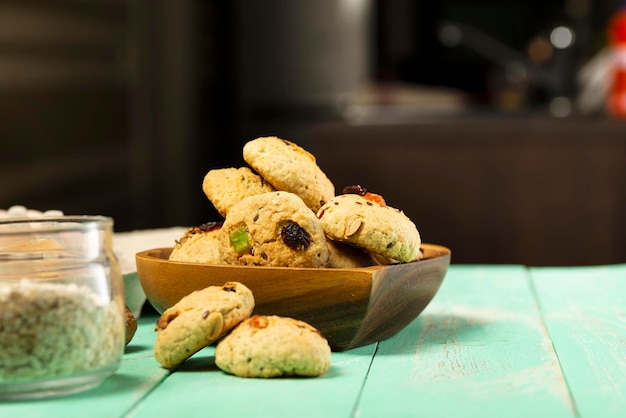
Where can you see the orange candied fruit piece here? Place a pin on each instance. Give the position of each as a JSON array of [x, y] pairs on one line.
[[376, 198]]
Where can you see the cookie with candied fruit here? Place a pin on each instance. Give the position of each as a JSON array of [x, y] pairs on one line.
[[273, 229], [368, 223]]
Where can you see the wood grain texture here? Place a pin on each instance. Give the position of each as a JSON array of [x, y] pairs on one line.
[[479, 350], [585, 313], [200, 389], [497, 341], [351, 307]]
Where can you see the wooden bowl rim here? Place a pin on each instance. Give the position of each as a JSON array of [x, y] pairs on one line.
[[431, 252]]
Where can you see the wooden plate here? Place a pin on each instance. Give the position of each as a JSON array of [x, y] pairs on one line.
[[351, 307]]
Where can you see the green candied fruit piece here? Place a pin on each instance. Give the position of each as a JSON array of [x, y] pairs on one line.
[[240, 240]]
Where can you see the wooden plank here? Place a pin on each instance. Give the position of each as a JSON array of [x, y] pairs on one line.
[[479, 350], [585, 313], [138, 374], [199, 389]]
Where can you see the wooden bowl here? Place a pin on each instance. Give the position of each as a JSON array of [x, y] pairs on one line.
[[351, 307]]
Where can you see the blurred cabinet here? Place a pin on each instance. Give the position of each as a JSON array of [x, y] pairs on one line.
[[103, 107], [527, 190], [63, 104]]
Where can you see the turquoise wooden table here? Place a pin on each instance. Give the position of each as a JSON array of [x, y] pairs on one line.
[[497, 341]]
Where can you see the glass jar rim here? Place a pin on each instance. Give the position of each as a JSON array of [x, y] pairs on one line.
[[45, 224]]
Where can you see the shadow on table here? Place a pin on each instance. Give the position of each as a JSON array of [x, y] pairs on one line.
[[115, 384], [198, 363], [136, 348]]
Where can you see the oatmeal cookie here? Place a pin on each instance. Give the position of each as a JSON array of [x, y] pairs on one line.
[[273, 229], [199, 244], [288, 167], [199, 319], [378, 229], [348, 256], [273, 346], [226, 186]]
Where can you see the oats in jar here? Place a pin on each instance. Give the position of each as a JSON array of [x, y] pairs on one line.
[[50, 330]]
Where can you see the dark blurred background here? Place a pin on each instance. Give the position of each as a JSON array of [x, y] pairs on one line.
[[472, 116]]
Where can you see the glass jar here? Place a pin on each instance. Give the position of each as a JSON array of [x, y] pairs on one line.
[[62, 320]]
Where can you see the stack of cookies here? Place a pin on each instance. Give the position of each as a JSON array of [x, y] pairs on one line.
[[282, 211]]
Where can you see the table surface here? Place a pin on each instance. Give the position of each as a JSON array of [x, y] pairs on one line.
[[497, 341]]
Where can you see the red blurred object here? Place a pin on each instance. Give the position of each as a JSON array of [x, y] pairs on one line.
[[616, 103]]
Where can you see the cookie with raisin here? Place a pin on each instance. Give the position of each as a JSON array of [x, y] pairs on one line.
[[370, 224], [199, 244], [226, 186], [273, 229], [289, 167], [273, 346]]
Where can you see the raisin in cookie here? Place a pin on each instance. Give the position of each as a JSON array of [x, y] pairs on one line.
[[273, 229], [273, 346], [226, 186], [288, 167], [199, 319], [199, 244], [375, 227]]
